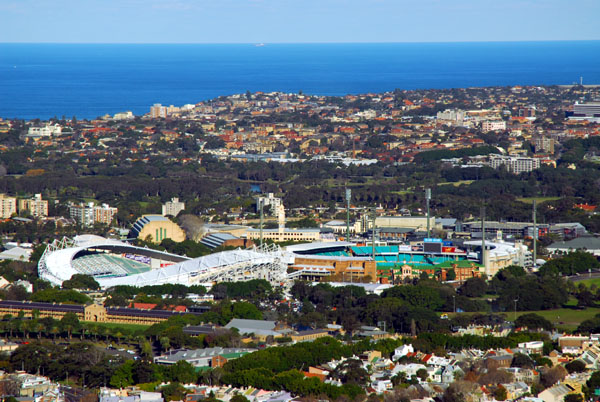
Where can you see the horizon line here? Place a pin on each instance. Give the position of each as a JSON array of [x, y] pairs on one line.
[[302, 43]]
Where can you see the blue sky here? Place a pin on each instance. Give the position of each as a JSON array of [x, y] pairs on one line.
[[271, 21]]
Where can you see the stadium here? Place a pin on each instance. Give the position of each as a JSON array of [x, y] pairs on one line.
[[113, 262]]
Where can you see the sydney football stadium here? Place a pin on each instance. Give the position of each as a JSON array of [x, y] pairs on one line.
[[114, 262]]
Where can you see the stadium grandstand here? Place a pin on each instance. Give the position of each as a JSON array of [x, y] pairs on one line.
[[113, 262]]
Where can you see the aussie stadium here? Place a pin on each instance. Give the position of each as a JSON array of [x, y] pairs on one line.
[[114, 262]]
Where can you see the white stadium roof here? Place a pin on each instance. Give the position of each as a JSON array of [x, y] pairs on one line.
[[56, 264], [222, 267]]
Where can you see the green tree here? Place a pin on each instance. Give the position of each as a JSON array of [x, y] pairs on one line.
[[451, 275], [522, 360], [593, 383], [183, 372], [70, 323], [173, 392], [81, 281], [575, 366], [422, 374], [500, 393], [573, 398], [533, 321], [473, 287], [123, 376]]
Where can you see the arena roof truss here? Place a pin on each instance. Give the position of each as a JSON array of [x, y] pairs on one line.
[[267, 262]]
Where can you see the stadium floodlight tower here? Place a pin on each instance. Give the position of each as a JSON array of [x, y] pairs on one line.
[[261, 205], [348, 196], [535, 235], [427, 199], [373, 233]]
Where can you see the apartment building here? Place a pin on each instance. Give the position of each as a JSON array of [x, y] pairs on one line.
[[544, 144], [88, 214], [173, 207], [8, 206], [158, 110], [515, 164], [34, 206], [104, 214], [493, 125], [269, 203]]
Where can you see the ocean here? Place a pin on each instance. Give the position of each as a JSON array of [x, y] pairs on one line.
[[90, 80]]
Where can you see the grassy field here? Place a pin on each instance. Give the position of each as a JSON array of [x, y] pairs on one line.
[[456, 183], [564, 318], [529, 200], [588, 282]]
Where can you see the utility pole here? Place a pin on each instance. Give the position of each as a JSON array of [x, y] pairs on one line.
[[535, 234], [427, 199], [260, 204], [348, 195]]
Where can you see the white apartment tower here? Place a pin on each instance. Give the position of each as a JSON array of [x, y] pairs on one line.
[[515, 164], [173, 207], [274, 204], [88, 214]]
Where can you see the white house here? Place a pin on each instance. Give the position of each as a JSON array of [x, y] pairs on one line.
[[402, 351]]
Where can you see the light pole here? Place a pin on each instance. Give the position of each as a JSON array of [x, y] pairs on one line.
[[427, 199], [260, 204], [373, 233], [515, 314], [535, 235], [454, 301], [348, 195]]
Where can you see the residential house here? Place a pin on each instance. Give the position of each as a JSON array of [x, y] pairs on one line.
[[556, 393]]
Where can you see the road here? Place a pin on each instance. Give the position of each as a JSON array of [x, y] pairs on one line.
[[583, 277], [73, 394]]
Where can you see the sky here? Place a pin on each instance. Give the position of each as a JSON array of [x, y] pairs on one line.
[[296, 21]]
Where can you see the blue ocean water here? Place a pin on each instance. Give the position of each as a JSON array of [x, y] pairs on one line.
[[89, 80]]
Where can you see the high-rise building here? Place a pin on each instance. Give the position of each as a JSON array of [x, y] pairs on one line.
[[82, 213], [8, 206], [104, 214], [173, 207], [544, 144], [158, 110], [269, 201], [88, 214], [35, 206]]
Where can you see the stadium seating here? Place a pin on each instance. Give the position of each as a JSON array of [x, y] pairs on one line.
[[102, 265]]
